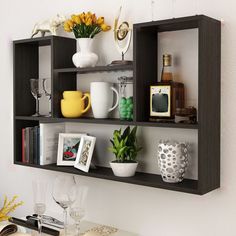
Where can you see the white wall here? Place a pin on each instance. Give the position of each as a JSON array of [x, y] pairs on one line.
[[147, 211]]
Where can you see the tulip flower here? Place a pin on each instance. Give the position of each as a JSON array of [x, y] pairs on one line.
[[105, 27], [100, 20]]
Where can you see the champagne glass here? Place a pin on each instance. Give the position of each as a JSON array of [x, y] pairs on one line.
[[77, 210], [64, 194], [39, 194], [34, 87], [46, 89]]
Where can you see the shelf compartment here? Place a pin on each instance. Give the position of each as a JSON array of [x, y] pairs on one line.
[[107, 122], [150, 180], [95, 69]]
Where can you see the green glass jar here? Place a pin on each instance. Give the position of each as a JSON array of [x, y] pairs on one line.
[[126, 104]]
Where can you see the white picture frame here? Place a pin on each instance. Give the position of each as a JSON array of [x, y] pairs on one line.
[[68, 146], [85, 153]]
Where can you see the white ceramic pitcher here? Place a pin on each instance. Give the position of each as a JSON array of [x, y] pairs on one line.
[[102, 99]]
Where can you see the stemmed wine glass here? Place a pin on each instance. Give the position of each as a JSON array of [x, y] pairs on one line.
[[77, 210], [45, 83], [39, 194], [34, 87], [64, 194]]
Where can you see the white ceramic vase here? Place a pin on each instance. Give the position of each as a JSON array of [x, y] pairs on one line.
[[85, 57], [102, 94], [173, 160], [124, 169]]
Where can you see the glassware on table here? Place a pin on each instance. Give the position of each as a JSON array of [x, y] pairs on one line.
[[64, 194], [34, 88], [39, 195], [46, 89], [77, 210], [77, 214]]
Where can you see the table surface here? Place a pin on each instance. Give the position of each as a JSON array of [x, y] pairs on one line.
[[84, 227]]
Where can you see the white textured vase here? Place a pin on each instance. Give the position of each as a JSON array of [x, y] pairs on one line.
[[123, 169], [85, 57], [173, 160]]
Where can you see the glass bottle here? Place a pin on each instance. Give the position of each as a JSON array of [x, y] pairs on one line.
[[126, 98], [166, 74]]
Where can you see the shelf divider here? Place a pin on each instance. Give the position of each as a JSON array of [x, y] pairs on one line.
[[140, 178], [110, 121], [107, 68]]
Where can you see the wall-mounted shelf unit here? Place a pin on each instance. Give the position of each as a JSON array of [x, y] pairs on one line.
[[63, 77]]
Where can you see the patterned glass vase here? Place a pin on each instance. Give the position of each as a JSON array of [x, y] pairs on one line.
[[173, 160]]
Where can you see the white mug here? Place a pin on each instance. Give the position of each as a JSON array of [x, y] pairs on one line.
[[102, 98]]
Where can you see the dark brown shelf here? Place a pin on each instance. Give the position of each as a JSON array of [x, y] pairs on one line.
[[150, 180], [145, 71], [40, 41], [95, 69], [107, 121]]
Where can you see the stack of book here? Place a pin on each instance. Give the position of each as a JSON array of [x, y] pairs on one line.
[[40, 143]]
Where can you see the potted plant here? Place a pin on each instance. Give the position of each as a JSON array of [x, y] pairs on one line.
[[125, 148], [85, 26]]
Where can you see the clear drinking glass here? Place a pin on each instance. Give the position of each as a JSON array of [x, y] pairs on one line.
[[77, 210], [34, 87], [39, 194], [64, 194], [46, 89]]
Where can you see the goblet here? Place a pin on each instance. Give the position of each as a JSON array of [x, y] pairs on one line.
[[46, 89], [34, 87], [39, 194], [64, 194], [77, 210]]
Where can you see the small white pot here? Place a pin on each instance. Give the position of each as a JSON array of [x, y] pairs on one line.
[[123, 169]]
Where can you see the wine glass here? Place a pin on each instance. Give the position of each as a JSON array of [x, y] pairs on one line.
[[34, 87], [77, 210], [46, 89], [39, 195], [64, 194]]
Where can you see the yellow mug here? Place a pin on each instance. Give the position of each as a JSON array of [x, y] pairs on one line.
[[73, 102]]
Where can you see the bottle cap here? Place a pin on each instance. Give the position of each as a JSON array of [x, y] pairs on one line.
[[166, 60]]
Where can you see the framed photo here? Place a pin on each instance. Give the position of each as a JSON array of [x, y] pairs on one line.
[[160, 101], [68, 147], [85, 153]]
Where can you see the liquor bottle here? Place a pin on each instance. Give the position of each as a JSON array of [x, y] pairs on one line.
[[167, 95]]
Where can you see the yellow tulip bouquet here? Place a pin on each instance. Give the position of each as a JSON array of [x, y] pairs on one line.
[[8, 207], [85, 25]]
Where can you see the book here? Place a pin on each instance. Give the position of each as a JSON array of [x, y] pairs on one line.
[[31, 145], [49, 134], [26, 145], [7, 229], [35, 145], [23, 145]]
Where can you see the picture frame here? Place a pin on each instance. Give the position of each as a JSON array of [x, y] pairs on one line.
[[68, 146], [160, 101], [85, 153]]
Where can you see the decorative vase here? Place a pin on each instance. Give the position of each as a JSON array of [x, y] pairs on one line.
[[173, 160], [124, 169], [85, 57]]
